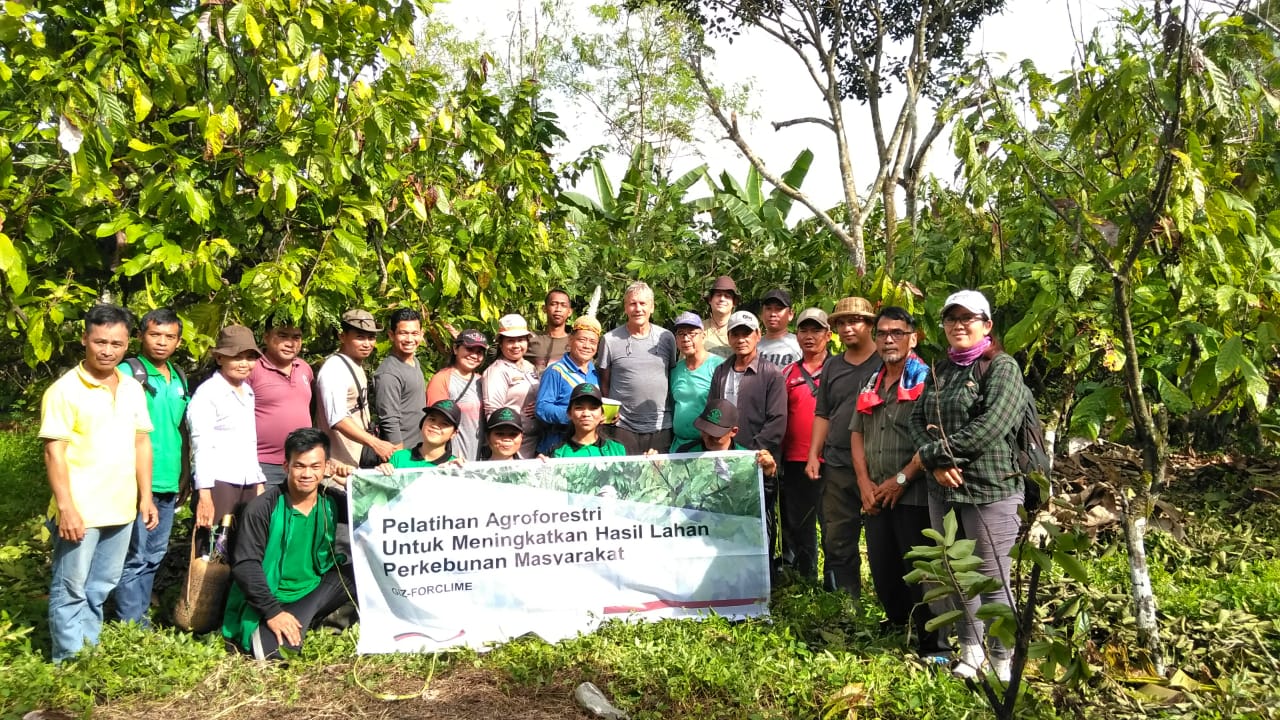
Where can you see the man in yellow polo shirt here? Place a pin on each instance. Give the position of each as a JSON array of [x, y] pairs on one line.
[[97, 451]]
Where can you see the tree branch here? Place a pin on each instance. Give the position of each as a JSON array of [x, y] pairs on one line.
[[778, 125]]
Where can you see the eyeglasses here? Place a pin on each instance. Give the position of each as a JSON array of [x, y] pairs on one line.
[[966, 320], [687, 332], [895, 335]]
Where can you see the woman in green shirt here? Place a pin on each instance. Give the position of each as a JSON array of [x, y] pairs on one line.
[[690, 379], [586, 411], [439, 422]]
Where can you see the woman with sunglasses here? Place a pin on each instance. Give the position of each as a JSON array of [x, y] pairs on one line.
[[964, 426]]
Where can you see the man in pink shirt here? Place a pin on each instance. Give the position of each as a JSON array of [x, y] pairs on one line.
[[281, 382]]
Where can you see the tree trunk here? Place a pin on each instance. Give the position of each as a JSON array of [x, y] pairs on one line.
[[1154, 452], [890, 207]]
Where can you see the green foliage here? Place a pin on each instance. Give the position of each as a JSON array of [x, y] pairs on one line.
[[257, 157], [817, 653], [1133, 176]]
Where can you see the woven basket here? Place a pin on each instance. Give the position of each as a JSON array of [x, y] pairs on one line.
[[204, 595]]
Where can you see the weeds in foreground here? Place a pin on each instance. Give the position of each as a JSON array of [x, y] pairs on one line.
[[817, 656]]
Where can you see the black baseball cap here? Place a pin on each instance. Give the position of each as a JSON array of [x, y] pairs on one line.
[[586, 390], [779, 296], [447, 408], [504, 417], [717, 418]]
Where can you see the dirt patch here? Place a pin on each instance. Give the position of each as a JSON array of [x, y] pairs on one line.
[[465, 693]]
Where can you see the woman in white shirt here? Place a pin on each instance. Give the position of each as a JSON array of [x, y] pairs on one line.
[[512, 382], [224, 436]]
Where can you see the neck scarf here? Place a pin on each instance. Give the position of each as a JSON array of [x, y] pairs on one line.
[[965, 358], [910, 385]]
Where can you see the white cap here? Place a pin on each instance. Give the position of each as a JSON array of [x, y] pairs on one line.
[[513, 325], [742, 318], [971, 300]]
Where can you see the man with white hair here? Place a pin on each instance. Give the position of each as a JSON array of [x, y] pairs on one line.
[[635, 362]]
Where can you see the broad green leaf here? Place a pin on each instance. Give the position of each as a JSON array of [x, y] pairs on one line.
[[252, 29], [1229, 358], [1072, 566], [1204, 385], [1078, 282], [451, 281], [943, 620], [1174, 399], [1255, 384], [13, 266], [950, 526], [141, 104]]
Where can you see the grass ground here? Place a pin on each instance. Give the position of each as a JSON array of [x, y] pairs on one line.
[[1218, 590]]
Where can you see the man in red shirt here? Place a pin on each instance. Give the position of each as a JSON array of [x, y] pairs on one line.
[[801, 496], [281, 382]]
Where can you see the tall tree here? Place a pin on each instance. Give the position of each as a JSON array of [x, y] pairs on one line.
[[879, 52], [1145, 179]]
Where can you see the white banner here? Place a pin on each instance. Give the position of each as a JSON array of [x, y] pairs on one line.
[[479, 554]]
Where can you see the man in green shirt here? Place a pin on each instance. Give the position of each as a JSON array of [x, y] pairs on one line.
[[287, 574], [439, 422], [167, 396], [586, 411]]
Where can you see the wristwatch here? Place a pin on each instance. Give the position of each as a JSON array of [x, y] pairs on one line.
[[901, 478]]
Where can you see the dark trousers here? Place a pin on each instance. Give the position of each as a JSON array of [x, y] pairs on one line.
[[335, 589], [842, 528], [640, 443], [275, 473], [890, 535], [800, 498]]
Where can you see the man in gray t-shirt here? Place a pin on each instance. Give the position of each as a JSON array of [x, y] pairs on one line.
[[778, 345], [635, 362], [400, 389]]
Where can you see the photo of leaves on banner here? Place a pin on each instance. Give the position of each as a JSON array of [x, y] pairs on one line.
[[727, 486]]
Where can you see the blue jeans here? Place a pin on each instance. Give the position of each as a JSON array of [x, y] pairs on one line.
[[84, 574], [146, 551]]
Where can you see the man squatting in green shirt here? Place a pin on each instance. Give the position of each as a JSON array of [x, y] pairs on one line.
[[286, 572]]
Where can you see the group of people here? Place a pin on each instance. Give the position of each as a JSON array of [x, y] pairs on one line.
[[871, 435]]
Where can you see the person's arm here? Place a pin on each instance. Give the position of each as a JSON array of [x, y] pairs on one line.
[[70, 524], [866, 488], [438, 386], [719, 377], [252, 536], [818, 435], [202, 417], [1002, 399], [603, 366], [553, 398], [352, 431], [387, 390], [817, 440], [495, 385], [142, 473], [774, 428]]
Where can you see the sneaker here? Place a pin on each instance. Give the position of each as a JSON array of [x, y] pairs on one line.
[[970, 662], [1003, 669]]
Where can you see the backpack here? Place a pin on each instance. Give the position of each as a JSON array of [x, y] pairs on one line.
[[140, 374], [1030, 451]]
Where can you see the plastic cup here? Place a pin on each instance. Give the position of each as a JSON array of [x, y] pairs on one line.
[[611, 408]]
